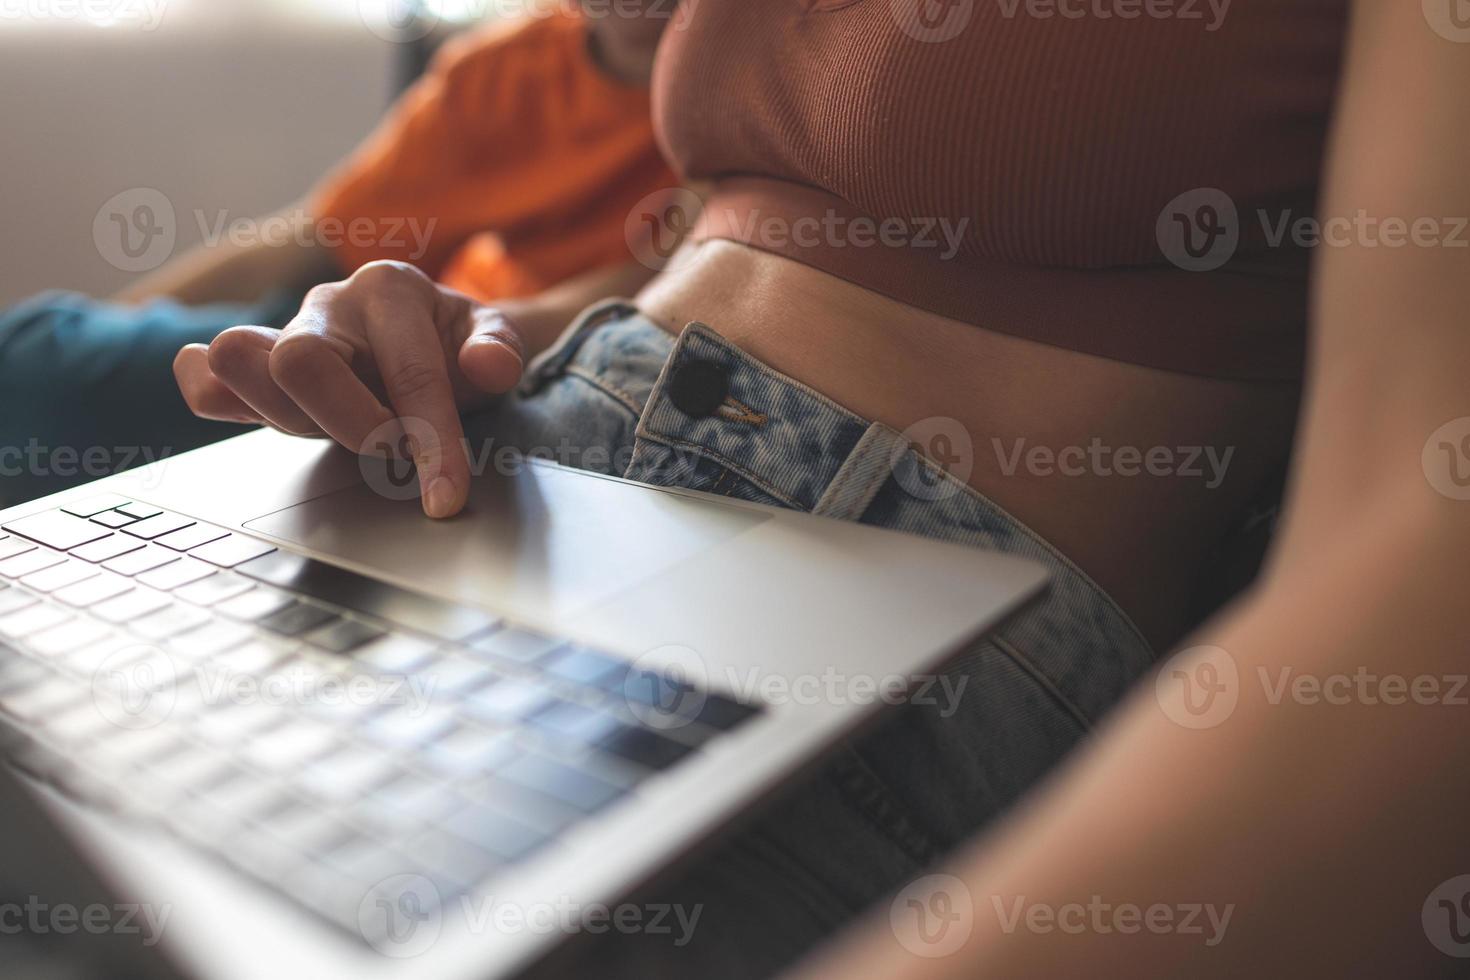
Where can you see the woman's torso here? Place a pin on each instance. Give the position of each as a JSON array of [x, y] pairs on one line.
[[1127, 408]]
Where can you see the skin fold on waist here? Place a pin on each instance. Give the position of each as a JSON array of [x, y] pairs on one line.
[[1134, 473]]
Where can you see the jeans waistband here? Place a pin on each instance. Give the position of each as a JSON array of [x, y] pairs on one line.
[[702, 396]]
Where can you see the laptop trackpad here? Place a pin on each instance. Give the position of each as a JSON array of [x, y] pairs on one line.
[[544, 543]]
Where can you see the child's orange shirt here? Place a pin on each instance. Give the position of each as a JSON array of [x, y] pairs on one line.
[[526, 156]]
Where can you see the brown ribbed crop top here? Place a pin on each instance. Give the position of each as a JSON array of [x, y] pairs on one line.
[[1052, 177]]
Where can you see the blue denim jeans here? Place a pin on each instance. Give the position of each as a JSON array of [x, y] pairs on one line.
[[87, 386], [885, 807]]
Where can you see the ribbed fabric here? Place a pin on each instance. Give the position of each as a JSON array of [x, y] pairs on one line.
[[1050, 145]]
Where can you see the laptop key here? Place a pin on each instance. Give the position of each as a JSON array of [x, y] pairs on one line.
[[232, 550], [209, 640], [169, 621], [131, 605], [509, 700], [577, 722], [397, 653], [214, 588], [490, 831], [578, 789], [158, 525], [57, 530], [296, 618], [93, 590], [32, 619], [92, 506], [13, 600], [516, 645], [582, 666], [255, 604], [105, 549], [10, 547], [190, 537], [29, 562], [139, 510], [142, 560], [175, 574], [68, 572], [114, 519], [68, 638], [647, 748], [344, 636]]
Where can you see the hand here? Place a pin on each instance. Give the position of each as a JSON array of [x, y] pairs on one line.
[[386, 344]]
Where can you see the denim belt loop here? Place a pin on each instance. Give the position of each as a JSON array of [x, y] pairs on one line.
[[862, 474], [551, 362]]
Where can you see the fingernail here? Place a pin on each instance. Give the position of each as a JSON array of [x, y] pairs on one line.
[[440, 500], [502, 344]]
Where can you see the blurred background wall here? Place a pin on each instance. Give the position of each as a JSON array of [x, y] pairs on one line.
[[222, 105]]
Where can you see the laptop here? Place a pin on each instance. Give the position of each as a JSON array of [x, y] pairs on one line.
[[284, 725]]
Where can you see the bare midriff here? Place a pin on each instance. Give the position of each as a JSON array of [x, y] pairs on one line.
[[1134, 473]]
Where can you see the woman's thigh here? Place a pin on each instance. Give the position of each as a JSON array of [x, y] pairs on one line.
[[884, 808]]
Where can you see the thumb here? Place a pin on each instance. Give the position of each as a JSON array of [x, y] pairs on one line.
[[493, 355]]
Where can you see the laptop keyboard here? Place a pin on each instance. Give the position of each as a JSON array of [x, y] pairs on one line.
[[318, 729]]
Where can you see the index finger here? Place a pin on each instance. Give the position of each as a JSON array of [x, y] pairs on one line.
[[411, 361]]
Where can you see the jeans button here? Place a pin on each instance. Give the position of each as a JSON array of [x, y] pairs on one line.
[[697, 387]]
